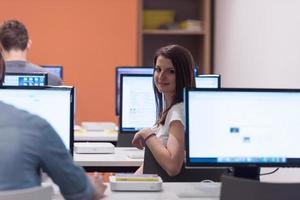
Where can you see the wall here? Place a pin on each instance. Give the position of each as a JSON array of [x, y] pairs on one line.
[[89, 38], [257, 44]]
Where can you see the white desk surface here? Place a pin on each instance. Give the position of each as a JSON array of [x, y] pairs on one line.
[[118, 159], [84, 135], [170, 191]]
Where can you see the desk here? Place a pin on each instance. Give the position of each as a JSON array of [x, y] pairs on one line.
[[171, 191], [117, 162], [102, 136]]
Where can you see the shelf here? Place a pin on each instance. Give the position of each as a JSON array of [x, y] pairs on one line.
[[173, 32], [198, 42]]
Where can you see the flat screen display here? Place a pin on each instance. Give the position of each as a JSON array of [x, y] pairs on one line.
[[26, 79], [128, 70], [54, 104], [56, 70], [208, 81], [242, 127], [138, 108]]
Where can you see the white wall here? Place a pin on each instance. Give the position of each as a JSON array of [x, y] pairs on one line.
[[257, 44]]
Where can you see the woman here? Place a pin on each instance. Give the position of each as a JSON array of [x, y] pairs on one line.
[[174, 70]]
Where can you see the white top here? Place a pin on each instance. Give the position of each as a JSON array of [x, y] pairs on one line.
[[175, 114]]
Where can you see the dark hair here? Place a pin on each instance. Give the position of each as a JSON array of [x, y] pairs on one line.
[[183, 63], [13, 35], [2, 69]]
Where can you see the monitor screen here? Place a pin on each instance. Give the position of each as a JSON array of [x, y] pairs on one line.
[[242, 127], [208, 81], [127, 70], [26, 79], [138, 108], [55, 104], [56, 70]]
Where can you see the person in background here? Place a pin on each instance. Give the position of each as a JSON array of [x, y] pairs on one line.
[[173, 71], [28, 145], [15, 43]]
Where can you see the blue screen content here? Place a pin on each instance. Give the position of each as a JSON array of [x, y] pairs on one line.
[[25, 80]]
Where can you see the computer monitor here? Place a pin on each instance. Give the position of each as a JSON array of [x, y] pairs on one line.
[[208, 81], [54, 104], [54, 69], [242, 127], [138, 109], [127, 70], [26, 79]]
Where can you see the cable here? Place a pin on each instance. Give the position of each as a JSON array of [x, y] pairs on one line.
[[268, 173]]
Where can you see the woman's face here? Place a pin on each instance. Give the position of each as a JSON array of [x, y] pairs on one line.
[[164, 76]]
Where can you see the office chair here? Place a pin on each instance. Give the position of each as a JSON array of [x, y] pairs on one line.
[[35, 193], [186, 174], [239, 188]]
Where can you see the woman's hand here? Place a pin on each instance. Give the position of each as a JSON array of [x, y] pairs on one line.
[[138, 139]]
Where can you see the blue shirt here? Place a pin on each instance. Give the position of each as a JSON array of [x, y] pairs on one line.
[[28, 145]]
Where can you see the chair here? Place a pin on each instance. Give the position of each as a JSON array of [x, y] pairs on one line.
[[35, 193], [239, 188], [186, 174]]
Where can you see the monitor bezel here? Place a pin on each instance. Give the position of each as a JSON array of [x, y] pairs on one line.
[[232, 164], [121, 129], [44, 74], [117, 106], [55, 66], [68, 88], [218, 76]]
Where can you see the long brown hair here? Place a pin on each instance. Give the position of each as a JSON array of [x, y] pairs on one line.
[[184, 64]]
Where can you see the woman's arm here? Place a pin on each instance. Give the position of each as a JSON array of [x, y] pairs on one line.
[[170, 158]]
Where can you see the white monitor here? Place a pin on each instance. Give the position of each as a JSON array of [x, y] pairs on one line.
[[243, 127], [26, 79], [54, 104], [208, 81], [138, 109]]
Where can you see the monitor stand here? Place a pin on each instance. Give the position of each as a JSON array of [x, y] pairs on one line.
[[247, 172], [125, 139]]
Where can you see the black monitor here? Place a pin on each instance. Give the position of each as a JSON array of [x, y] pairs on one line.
[[54, 69], [208, 81], [242, 128], [26, 79], [127, 70], [54, 104]]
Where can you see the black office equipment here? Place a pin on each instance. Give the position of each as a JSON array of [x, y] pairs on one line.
[[208, 81], [234, 188], [242, 128], [54, 104], [54, 69], [151, 166], [127, 70], [26, 79], [137, 108]]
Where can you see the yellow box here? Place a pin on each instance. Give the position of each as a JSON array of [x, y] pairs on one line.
[[153, 19]]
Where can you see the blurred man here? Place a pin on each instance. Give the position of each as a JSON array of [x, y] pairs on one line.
[[28, 145], [15, 42]]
